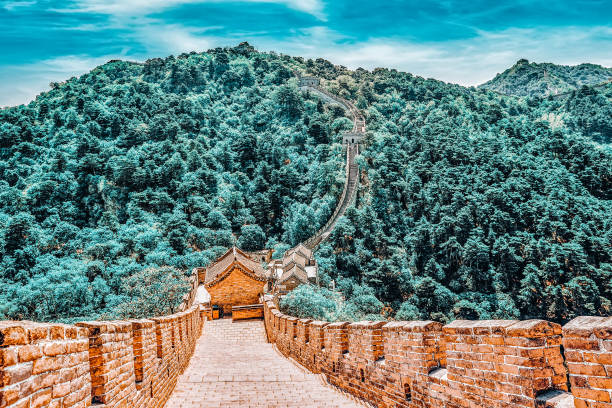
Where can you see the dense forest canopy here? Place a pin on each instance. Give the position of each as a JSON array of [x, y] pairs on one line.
[[471, 204], [135, 167], [475, 205], [532, 79]]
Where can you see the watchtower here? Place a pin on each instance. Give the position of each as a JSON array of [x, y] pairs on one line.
[[309, 81], [350, 138]]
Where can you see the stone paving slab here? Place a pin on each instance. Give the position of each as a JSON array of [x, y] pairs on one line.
[[234, 366]]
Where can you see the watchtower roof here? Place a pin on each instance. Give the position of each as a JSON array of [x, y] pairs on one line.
[[233, 255], [300, 248], [296, 270]]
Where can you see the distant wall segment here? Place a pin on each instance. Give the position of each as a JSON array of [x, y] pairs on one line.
[[489, 364]]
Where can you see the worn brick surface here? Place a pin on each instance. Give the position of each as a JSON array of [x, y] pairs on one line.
[[110, 364], [588, 353], [466, 364], [234, 366], [43, 365]]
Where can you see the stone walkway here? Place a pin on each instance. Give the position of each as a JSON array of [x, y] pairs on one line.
[[234, 366]]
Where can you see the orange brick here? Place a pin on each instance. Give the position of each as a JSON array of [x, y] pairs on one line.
[[595, 395]]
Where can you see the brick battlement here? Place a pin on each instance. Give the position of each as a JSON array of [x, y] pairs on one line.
[[132, 363], [490, 363]]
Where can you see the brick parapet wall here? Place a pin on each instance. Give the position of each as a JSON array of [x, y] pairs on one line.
[[134, 363], [491, 363], [43, 365], [508, 361], [316, 344], [588, 352], [247, 312], [335, 340]]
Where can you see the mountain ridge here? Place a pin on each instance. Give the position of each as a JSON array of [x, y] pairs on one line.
[[471, 204], [543, 79]]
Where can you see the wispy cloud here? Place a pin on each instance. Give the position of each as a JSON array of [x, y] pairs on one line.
[[451, 40], [466, 62], [144, 7], [314, 7], [12, 5], [32, 79], [165, 39]]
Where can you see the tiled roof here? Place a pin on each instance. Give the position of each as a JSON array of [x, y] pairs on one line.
[[307, 253], [297, 257], [296, 270], [224, 261], [300, 255]]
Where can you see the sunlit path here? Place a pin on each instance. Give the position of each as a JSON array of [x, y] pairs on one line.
[[234, 366]]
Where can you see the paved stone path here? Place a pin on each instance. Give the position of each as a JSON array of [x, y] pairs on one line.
[[234, 366]]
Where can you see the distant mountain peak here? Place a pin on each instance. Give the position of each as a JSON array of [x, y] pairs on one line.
[[542, 79]]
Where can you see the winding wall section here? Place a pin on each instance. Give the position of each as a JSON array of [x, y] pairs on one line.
[[466, 364], [352, 170]]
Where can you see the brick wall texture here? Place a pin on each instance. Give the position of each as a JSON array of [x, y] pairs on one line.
[[247, 312], [103, 364], [236, 289], [466, 364]]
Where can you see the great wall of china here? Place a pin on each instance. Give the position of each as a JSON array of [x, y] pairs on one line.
[[132, 363], [148, 363], [351, 140], [485, 364]]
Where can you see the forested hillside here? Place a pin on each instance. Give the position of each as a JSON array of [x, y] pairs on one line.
[[587, 110], [471, 204], [136, 167], [533, 79]]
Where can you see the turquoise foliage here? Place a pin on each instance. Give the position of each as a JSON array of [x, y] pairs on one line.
[[474, 205], [471, 204], [136, 167]]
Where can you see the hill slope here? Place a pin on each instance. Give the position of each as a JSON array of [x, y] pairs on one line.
[[471, 204], [533, 79], [136, 167], [587, 110]]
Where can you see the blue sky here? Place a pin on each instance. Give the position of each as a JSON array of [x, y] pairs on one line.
[[465, 42]]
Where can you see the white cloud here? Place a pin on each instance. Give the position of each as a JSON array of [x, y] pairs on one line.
[[165, 39], [12, 5], [70, 65], [124, 7], [29, 80], [32, 79], [121, 8], [314, 7], [467, 62]]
